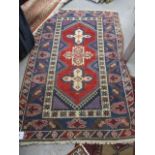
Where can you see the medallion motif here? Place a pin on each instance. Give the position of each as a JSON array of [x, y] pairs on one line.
[[78, 55], [77, 79], [78, 36]]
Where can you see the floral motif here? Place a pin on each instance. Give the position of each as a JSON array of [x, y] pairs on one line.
[[43, 55], [114, 134], [33, 110], [39, 124], [70, 134], [86, 134], [39, 135], [119, 108], [39, 78], [54, 134], [114, 78], [76, 123], [99, 134]]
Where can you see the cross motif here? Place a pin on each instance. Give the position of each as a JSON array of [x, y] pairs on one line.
[[78, 55], [78, 35], [77, 79]]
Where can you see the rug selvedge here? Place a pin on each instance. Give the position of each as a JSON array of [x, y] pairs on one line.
[[65, 118]]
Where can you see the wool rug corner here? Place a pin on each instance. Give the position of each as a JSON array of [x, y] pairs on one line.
[[37, 11], [76, 88]]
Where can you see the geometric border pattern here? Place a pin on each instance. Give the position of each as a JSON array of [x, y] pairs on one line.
[[52, 70]]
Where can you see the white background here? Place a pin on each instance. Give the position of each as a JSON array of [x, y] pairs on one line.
[[145, 77]]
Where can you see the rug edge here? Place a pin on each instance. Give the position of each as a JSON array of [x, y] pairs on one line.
[[124, 141]]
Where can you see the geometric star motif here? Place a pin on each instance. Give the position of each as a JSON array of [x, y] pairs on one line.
[[78, 55], [76, 123], [77, 79], [78, 35]]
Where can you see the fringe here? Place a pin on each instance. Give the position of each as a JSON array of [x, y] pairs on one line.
[[100, 142]]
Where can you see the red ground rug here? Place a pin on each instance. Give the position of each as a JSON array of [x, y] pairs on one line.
[[75, 87]]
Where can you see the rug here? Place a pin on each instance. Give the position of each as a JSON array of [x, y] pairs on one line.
[[110, 149], [118, 149], [93, 149], [76, 88], [79, 150], [36, 11], [107, 149]]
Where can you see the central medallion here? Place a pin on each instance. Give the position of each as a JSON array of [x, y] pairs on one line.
[[78, 55], [77, 79]]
